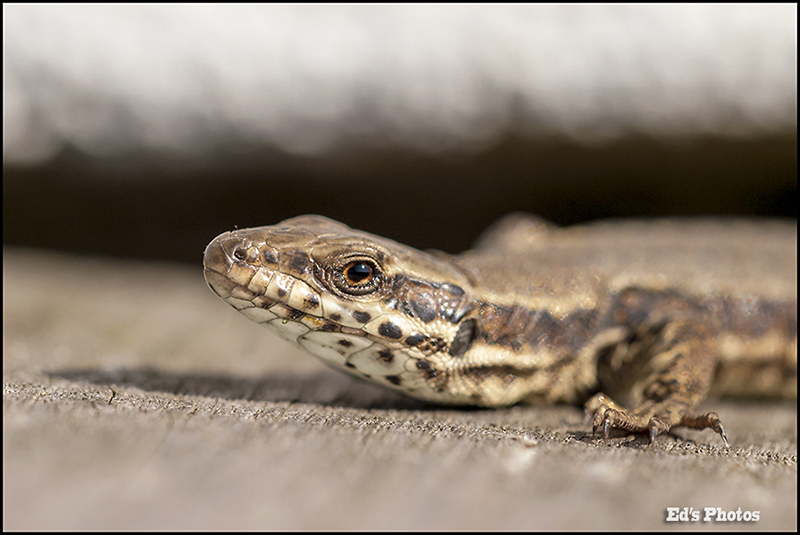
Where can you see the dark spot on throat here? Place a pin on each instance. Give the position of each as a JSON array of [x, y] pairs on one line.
[[295, 314], [425, 366], [394, 379], [361, 317], [390, 330], [386, 355], [344, 342], [328, 327], [336, 317]]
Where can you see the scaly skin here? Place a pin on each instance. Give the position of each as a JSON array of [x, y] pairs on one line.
[[643, 315]]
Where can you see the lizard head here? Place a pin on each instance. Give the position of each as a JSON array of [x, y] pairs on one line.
[[362, 303]]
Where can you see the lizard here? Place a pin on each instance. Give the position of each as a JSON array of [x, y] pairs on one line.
[[638, 320]]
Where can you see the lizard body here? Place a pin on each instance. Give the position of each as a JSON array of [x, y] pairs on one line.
[[638, 318]]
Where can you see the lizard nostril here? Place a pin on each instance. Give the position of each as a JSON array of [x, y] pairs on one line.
[[240, 253]]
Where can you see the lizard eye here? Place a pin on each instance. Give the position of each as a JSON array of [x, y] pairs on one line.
[[357, 273], [357, 276]]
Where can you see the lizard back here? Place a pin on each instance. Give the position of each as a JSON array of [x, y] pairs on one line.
[[740, 274]]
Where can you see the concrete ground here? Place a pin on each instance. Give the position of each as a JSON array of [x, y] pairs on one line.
[[133, 398]]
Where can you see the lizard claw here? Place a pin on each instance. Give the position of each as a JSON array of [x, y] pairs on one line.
[[657, 426], [608, 419], [721, 432], [607, 424], [601, 419]]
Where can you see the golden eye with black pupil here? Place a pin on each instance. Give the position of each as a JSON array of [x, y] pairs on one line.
[[358, 273], [356, 276]]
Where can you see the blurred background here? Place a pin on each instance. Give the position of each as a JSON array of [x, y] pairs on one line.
[[146, 130]]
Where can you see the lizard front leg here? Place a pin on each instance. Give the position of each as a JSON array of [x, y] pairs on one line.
[[663, 372]]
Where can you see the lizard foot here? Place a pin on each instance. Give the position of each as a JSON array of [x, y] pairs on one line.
[[608, 415]]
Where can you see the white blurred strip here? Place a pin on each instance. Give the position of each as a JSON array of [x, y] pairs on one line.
[[110, 78]]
